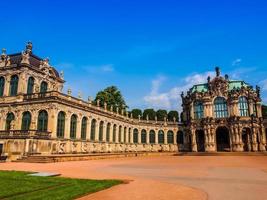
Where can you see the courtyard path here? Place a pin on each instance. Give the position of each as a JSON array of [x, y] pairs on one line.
[[168, 177]]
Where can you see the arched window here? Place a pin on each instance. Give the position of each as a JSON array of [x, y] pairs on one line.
[[9, 118], [198, 109], [143, 136], [60, 124], [255, 113], [120, 132], [42, 121], [84, 128], [108, 132], [93, 127], [243, 106], [114, 133], [43, 87], [152, 137], [180, 137], [220, 107], [26, 121], [30, 85], [125, 133], [170, 137], [135, 136], [73, 126], [2, 86], [13, 85], [101, 129], [161, 137], [129, 135]]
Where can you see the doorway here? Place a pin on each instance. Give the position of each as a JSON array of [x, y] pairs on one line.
[[222, 139]]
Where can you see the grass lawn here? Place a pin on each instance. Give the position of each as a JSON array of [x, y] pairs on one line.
[[18, 185]]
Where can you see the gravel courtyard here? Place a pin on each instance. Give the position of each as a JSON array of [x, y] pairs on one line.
[[168, 177]]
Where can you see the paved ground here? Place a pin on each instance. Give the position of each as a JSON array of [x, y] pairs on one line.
[[169, 177]]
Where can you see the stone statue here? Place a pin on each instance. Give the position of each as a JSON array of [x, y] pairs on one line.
[[79, 95], [29, 47], [98, 102], [62, 74], [208, 79], [105, 105], [258, 90], [147, 118], [25, 58], [69, 92], [226, 77]]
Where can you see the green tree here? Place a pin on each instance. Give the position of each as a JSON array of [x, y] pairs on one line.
[[150, 112], [136, 113], [161, 114], [264, 111], [172, 114], [112, 96]]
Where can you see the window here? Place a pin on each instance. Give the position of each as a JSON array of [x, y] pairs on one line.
[[161, 137], [114, 133], [26, 121], [43, 88], [125, 133], [143, 136], [84, 128], [135, 136], [30, 85], [108, 132], [13, 85], [2, 86], [170, 137], [9, 118], [101, 129], [120, 133], [60, 124], [243, 106], [73, 126], [93, 127], [152, 137], [198, 110], [220, 107], [180, 137], [42, 121], [255, 109], [129, 135]]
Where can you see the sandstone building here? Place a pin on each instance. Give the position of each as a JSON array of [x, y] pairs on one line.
[[37, 118]]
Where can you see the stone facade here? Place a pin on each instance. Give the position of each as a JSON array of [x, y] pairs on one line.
[[37, 118], [224, 115]]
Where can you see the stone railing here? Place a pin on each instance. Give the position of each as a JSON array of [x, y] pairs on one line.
[[5, 134]]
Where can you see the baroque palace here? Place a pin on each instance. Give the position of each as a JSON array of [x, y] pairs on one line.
[[37, 118]]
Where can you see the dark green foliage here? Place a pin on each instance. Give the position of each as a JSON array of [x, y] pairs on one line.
[[173, 113], [161, 114], [150, 112], [112, 96], [136, 113], [19, 185]]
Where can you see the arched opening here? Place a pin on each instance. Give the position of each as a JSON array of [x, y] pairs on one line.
[[170, 137], [222, 139], [73, 126], [30, 85], [161, 137], [246, 138], [60, 124], [101, 129], [26, 121], [2, 86], [220, 107], [152, 137], [9, 118], [143, 136], [120, 133], [129, 135], [84, 128], [200, 139], [14, 81], [43, 87], [42, 121], [125, 133], [114, 133], [93, 127], [180, 137], [243, 106], [198, 109], [135, 135], [108, 132]]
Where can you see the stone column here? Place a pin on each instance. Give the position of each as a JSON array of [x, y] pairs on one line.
[[192, 111], [258, 107], [147, 136], [88, 129], [156, 137], [67, 126], [193, 140], [104, 132], [117, 134], [7, 85], [79, 128], [127, 135], [165, 137], [97, 131], [139, 136], [122, 135], [131, 135], [52, 123], [174, 136]]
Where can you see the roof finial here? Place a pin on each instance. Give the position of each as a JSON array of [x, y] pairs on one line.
[[29, 47], [3, 51], [218, 72]]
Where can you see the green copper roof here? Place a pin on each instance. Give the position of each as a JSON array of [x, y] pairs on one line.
[[232, 85]]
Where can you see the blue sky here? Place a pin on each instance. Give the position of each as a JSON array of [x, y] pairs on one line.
[[151, 50]]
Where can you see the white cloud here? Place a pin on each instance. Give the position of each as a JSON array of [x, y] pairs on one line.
[[107, 68], [236, 62], [171, 99]]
